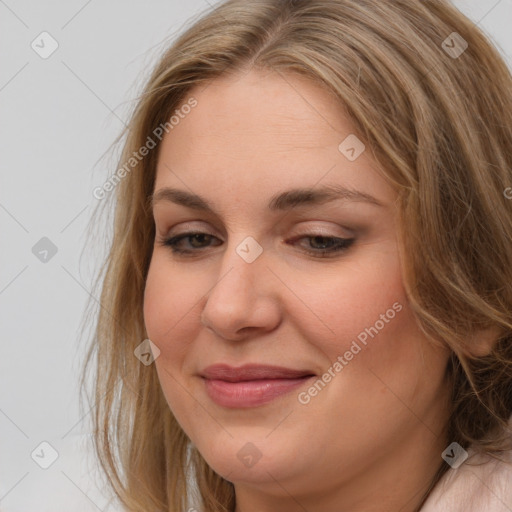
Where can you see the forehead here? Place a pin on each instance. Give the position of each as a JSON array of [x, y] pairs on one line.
[[266, 107], [263, 129]]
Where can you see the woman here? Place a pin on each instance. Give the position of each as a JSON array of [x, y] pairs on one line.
[[314, 232]]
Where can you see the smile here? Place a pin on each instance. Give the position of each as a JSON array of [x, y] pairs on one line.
[[251, 385]]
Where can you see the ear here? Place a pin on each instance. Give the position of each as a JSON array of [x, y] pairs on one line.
[[483, 341]]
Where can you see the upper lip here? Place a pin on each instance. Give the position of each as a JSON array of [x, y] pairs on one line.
[[251, 372]]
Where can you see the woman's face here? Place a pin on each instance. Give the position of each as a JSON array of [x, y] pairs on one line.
[[308, 281]]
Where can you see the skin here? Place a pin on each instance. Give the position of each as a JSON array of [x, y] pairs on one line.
[[371, 439]]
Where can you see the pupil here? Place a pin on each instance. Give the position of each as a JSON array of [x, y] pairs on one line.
[[199, 238], [321, 240]]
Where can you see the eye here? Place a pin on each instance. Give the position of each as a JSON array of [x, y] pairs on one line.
[[322, 246], [196, 240], [319, 246]]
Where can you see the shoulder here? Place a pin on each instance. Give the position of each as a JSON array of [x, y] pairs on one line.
[[481, 483]]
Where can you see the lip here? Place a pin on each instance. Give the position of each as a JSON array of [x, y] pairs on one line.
[[250, 385]]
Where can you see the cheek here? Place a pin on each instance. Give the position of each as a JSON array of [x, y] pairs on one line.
[[171, 319], [363, 301], [169, 299]]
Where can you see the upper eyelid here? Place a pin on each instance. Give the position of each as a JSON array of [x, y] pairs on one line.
[[305, 232], [303, 219]]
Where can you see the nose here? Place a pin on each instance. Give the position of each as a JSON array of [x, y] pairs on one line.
[[243, 301]]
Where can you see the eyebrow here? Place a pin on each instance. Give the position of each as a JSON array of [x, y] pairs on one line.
[[287, 200]]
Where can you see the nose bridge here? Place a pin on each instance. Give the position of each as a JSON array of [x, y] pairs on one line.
[[242, 268], [240, 298]]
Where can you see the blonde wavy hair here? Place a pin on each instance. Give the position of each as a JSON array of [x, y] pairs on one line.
[[438, 123]]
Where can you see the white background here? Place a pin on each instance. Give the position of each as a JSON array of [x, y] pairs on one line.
[[59, 116]]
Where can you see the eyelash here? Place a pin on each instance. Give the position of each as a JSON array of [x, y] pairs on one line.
[[342, 244]]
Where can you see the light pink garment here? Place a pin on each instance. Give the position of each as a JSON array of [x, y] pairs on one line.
[[474, 488]]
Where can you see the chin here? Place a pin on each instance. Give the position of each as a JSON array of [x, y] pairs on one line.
[[240, 460]]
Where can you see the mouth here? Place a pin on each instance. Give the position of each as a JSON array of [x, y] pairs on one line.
[[251, 385]]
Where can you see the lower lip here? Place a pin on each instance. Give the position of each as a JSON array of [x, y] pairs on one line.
[[251, 393]]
